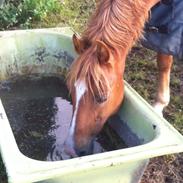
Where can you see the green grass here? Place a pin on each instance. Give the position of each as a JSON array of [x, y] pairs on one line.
[[71, 14], [26, 14], [21, 14]]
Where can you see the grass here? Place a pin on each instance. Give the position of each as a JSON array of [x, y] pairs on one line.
[[26, 14], [71, 14], [141, 71], [22, 13]]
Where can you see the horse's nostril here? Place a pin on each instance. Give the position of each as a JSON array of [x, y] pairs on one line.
[[85, 150], [82, 153]]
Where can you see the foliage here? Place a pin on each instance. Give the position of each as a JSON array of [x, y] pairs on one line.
[[20, 14], [77, 14], [71, 14]]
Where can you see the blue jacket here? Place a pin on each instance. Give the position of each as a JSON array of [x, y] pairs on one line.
[[164, 31]]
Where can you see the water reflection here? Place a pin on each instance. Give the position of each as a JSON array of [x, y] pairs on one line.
[[62, 118]]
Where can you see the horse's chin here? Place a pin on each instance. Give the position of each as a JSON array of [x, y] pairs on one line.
[[69, 153]]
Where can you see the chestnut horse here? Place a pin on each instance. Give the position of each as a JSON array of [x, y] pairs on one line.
[[95, 79]]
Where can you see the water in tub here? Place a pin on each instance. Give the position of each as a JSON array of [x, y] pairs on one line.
[[39, 111]]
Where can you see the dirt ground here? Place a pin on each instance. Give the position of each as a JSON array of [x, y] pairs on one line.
[[166, 169], [141, 73]]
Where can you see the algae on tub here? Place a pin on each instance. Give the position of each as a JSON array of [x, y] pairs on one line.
[[50, 52]]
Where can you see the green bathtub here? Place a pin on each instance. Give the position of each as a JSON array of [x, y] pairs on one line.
[[50, 51]]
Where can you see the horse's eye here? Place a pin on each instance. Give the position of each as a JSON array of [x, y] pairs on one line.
[[100, 98]]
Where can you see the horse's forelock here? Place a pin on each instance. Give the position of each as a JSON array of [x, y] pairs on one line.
[[118, 23], [87, 68]]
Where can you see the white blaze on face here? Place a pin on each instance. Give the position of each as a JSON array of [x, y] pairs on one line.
[[80, 89]]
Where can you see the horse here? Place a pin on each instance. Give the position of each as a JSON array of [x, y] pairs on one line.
[[95, 78]]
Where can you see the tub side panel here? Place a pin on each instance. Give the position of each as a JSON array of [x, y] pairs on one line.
[[137, 119], [35, 52], [124, 173]]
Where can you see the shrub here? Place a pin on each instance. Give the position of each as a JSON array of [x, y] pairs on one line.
[[21, 13]]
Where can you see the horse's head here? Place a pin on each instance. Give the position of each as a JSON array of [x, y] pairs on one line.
[[96, 86]]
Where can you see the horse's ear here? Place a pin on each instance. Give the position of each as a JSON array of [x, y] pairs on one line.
[[79, 44], [103, 52]]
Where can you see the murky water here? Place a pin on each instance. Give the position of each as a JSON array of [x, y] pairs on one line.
[[39, 111]]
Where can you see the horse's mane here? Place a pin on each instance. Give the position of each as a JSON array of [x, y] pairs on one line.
[[118, 23], [87, 68]]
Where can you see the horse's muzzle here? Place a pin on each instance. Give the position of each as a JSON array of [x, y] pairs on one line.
[[87, 150]]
